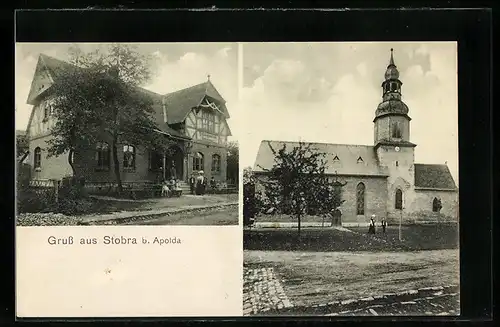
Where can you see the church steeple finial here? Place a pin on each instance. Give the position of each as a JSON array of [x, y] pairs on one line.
[[392, 72]]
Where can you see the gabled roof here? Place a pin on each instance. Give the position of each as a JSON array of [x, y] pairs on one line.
[[434, 177], [347, 164], [181, 102], [178, 103]]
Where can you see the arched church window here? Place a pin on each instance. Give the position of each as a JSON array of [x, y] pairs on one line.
[[396, 130], [360, 199], [436, 205], [393, 87], [399, 200]]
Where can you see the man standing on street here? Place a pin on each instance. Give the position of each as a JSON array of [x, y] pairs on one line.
[[192, 182], [384, 224]]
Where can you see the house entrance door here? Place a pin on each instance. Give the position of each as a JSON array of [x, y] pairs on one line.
[[175, 163]]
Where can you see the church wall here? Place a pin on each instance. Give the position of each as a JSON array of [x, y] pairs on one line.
[[382, 128], [404, 126], [375, 199], [421, 206], [400, 168]]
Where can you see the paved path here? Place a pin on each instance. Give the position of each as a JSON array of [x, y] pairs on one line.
[[219, 216]]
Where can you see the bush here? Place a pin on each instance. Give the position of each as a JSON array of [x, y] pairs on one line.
[[31, 201], [73, 199]]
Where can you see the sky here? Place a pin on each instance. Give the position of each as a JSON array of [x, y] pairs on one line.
[[328, 92], [176, 66]]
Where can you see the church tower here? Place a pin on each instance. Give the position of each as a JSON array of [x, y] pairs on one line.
[[395, 152]]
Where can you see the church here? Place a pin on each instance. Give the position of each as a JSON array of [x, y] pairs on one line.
[[193, 119], [382, 179]]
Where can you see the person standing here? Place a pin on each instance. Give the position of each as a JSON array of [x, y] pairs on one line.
[[173, 172], [213, 183], [384, 224], [200, 183], [371, 229], [192, 182]]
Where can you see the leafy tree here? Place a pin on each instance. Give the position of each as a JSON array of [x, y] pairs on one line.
[[22, 145], [232, 172], [97, 98], [298, 183]]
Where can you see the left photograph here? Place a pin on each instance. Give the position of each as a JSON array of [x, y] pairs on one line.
[[126, 134]]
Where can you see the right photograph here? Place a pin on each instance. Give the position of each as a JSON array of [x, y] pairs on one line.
[[350, 172]]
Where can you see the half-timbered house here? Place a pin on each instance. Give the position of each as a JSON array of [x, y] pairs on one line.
[[195, 119]]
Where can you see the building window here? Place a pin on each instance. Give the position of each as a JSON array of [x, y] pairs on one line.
[[396, 130], [38, 157], [360, 160], [208, 122], [397, 163], [128, 157], [198, 161], [360, 199], [399, 200], [102, 155], [216, 164], [155, 160], [336, 158], [436, 205]]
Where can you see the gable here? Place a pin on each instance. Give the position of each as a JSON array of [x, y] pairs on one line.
[[180, 103], [340, 158], [42, 80], [434, 177]]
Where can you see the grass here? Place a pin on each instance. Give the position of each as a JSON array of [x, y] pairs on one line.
[[415, 237], [319, 277]]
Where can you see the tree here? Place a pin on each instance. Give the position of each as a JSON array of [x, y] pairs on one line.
[[22, 145], [97, 97], [297, 183], [232, 172]]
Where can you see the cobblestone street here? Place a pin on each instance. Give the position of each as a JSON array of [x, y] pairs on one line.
[[263, 294], [262, 291]]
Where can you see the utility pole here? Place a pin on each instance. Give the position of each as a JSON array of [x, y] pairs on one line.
[[400, 223]]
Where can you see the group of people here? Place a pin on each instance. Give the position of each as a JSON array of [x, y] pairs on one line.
[[169, 186], [371, 228], [198, 183]]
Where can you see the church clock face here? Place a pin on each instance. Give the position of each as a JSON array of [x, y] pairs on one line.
[[397, 149]]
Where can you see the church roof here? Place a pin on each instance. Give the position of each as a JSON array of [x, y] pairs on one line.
[[433, 176], [343, 159]]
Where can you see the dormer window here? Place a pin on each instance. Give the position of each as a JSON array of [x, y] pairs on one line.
[[336, 158], [360, 160]]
